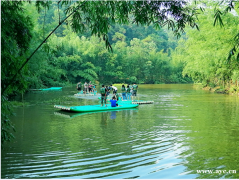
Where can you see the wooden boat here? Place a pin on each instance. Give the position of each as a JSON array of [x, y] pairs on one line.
[[92, 108]]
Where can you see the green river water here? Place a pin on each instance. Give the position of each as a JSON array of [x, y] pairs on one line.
[[186, 130]]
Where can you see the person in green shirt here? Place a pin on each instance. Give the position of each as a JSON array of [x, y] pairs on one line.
[[128, 93], [103, 95], [123, 90], [116, 95], [134, 93], [78, 86]]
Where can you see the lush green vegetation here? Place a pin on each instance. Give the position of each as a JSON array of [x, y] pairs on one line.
[[205, 53], [114, 42], [69, 57], [15, 41]]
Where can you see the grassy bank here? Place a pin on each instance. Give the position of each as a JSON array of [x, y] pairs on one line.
[[231, 89]]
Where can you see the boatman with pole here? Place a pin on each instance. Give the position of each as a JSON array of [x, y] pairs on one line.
[[78, 86], [135, 88], [103, 95]]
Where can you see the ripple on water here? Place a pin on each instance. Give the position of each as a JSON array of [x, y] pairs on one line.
[[68, 164], [169, 139]]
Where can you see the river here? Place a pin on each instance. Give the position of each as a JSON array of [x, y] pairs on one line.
[[185, 131]]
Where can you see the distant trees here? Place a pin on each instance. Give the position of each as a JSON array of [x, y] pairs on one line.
[[140, 61]]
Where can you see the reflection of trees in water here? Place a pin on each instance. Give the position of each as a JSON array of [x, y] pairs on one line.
[[211, 152], [210, 138], [104, 119], [129, 114]]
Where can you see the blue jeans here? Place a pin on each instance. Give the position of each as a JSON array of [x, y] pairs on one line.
[[128, 96], [124, 96]]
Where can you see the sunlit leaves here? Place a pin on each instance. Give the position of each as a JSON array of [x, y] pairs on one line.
[[230, 5], [205, 52], [234, 50]]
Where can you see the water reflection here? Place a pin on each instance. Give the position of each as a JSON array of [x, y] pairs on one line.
[[113, 115]]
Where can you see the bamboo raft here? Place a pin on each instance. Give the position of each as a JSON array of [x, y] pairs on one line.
[[85, 94], [62, 107], [142, 102]]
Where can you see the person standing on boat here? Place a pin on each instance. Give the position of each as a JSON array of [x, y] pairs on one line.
[[107, 91], [78, 86], [128, 94], [114, 89], [130, 86], [131, 89], [135, 88], [85, 88], [109, 88], [103, 95], [90, 87], [116, 96], [123, 90]]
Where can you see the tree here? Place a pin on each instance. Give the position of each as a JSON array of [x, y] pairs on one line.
[[205, 52], [15, 42], [230, 5]]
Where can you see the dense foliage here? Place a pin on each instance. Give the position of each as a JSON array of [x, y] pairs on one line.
[[16, 33], [205, 53]]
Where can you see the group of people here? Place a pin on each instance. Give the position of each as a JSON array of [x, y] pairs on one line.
[[86, 87], [127, 93]]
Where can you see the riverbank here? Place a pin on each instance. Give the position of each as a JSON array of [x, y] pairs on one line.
[[232, 90]]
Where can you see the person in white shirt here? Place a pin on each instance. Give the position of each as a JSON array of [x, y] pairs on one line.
[[114, 89]]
